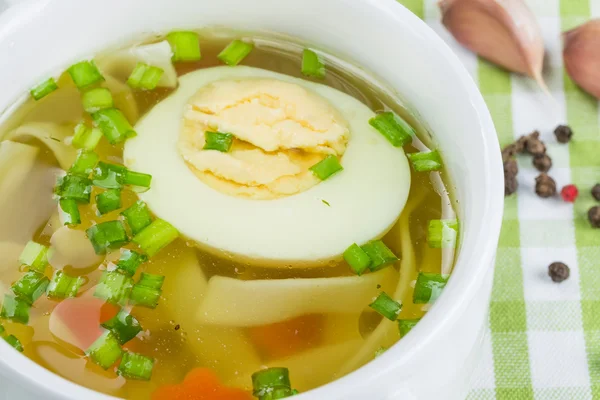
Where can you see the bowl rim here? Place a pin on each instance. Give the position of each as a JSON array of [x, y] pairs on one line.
[[460, 289]]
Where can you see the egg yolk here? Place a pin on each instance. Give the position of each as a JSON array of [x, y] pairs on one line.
[[280, 130]]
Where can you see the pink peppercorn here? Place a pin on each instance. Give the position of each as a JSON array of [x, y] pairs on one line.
[[569, 193]]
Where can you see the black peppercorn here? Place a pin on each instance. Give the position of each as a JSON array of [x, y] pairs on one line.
[[563, 133], [177, 327], [509, 151], [558, 271], [534, 145], [594, 216], [545, 186], [510, 185], [511, 168], [542, 162], [596, 191]]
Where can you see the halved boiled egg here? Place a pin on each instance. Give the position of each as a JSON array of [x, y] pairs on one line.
[[257, 197]]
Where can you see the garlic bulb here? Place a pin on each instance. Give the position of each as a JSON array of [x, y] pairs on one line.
[[581, 56], [503, 31]]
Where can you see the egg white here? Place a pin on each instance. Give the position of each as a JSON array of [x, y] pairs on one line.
[[365, 199]]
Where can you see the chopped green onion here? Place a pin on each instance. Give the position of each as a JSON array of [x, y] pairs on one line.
[[31, 286], [380, 351], [406, 325], [44, 89], [218, 141], [429, 287], [426, 161], [136, 179], [85, 73], [86, 138], [147, 291], [379, 254], [105, 351], [84, 163], [137, 216], [357, 258], [312, 65], [185, 46], [326, 167], [96, 99], [271, 380], [114, 125], [63, 286], [136, 366], [442, 233], [114, 287], [156, 236], [35, 256], [70, 209], [394, 128], [74, 187], [386, 306], [107, 235], [129, 262], [15, 309], [124, 326], [108, 201], [145, 77], [108, 176], [14, 342], [235, 52]]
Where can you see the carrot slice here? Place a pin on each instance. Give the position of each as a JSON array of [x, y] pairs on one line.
[[200, 384]]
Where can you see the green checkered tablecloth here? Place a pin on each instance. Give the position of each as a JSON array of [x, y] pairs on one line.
[[544, 340]]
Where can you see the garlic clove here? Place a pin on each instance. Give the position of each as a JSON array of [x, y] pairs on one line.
[[504, 32], [581, 56]]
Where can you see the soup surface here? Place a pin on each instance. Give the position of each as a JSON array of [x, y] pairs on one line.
[[254, 244]]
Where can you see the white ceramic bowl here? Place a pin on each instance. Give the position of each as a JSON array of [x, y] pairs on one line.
[[436, 360]]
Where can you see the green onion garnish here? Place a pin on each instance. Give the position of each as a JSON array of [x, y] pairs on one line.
[[96, 99], [379, 254], [312, 65], [380, 351], [114, 287], [146, 292], [406, 325], [386, 306], [74, 187], [394, 128], [357, 258], [124, 326], [35, 256], [130, 261], [137, 216], [15, 309], [218, 141], [85, 73], [426, 161], [326, 167], [84, 163], [185, 46], [108, 201], [107, 235], [145, 76], [31, 286], [86, 138], [136, 366], [272, 383], [105, 351], [63, 286], [71, 210], [442, 233], [156, 236], [429, 287], [114, 125], [235, 52], [14, 342], [108, 176], [136, 179], [44, 89]]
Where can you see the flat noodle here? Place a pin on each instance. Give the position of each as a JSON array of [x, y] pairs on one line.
[[227, 351], [233, 302]]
